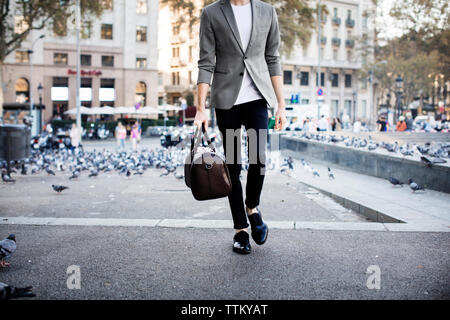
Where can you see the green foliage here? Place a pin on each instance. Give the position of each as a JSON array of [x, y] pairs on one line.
[[37, 14]]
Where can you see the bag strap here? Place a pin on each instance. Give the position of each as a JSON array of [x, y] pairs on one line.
[[197, 137]]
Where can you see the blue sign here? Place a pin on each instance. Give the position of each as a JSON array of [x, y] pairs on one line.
[[295, 98], [320, 92]]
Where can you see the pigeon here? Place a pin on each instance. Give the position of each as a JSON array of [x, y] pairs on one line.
[[7, 178], [315, 173], [330, 174], [426, 161], [93, 174], [128, 173], [395, 182], [7, 292], [59, 188], [414, 186], [50, 171], [74, 175], [7, 249]]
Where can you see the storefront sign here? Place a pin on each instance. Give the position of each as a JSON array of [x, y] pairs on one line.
[[85, 72]]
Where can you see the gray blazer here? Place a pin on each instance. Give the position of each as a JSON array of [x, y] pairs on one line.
[[221, 52]]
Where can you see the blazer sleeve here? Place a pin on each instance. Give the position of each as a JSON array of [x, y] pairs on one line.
[[272, 46], [207, 56]]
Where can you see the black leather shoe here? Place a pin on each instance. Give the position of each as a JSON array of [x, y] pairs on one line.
[[260, 230], [242, 243]]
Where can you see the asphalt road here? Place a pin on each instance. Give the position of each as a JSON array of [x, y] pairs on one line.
[[171, 263]]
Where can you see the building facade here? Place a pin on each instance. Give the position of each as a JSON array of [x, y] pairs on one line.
[[178, 48], [118, 61], [343, 93]]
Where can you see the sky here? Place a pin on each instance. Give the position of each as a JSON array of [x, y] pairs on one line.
[[387, 25]]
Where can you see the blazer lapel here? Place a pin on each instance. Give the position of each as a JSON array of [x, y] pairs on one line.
[[229, 16], [255, 21]]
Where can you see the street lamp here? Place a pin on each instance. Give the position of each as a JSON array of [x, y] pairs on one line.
[[32, 113], [354, 94], [399, 86], [40, 89], [371, 75]]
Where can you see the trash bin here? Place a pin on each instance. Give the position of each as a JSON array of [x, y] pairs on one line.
[[14, 142]]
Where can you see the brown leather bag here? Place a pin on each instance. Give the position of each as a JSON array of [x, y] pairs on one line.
[[205, 172]]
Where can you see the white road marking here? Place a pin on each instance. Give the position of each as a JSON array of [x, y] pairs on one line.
[[223, 224]]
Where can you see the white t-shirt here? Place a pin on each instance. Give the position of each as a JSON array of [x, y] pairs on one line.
[[323, 124], [243, 16]]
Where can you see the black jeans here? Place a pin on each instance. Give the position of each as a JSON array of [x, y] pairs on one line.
[[253, 115]]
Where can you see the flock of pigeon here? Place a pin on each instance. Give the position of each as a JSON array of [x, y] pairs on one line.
[[430, 154], [96, 163]]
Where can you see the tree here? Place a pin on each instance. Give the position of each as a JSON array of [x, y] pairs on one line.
[[295, 17], [18, 18]]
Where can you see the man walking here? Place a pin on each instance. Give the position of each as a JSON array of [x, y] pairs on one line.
[[239, 42]]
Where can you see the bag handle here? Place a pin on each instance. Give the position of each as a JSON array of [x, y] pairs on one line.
[[197, 137]]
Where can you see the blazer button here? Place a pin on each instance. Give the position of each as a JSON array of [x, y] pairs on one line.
[[241, 74], [245, 57]]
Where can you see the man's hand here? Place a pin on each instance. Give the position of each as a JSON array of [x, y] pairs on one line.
[[280, 118], [201, 117]]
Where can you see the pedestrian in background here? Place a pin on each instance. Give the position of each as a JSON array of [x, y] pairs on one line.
[[401, 124], [323, 124], [135, 135], [121, 135], [382, 124], [75, 137], [409, 122], [357, 126]]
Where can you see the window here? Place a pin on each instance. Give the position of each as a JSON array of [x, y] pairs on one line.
[[141, 6], [141, 93], [86, 59], [364, 84], [335, 80], [22, 57], [365, 20], [190, 77], [349, 14], [108, 61], [60, 27], [141, 34], [60, 82], [335, 107], [287, 77], [335, 54], [322, 79], [176, 30], [86, 30], [20, 25], [22, 90], [348, 80], [106, 83], [304, 78], [335, 12], [364, 108], [86, 89], [190, 53], [160, 78], [305, 101], [60, 58], [349, 55], [107, 4], [141, 63], [175, 52], [107, 31], [348, 108], [175, 78]]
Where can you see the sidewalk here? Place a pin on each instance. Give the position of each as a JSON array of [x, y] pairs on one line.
[[375, 197], [180, 263]]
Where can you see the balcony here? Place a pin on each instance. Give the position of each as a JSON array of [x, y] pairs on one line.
[[176, 62], [349, 43], [336, 21], [323, 40], [336, 42], [349, 23]]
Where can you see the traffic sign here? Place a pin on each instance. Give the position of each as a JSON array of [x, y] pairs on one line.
[[320, 92]]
